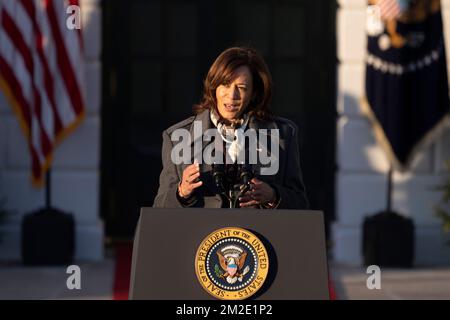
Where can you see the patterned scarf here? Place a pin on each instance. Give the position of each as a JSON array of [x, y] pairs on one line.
[[234, 145]]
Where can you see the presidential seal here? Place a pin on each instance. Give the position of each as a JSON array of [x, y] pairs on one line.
[[231, 264]]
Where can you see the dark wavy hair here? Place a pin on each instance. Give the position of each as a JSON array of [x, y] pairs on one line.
[[222, 72]]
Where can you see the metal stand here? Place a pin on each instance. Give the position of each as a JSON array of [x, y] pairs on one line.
[[48, 197], [389, 190], [388, 237], [48, 234]]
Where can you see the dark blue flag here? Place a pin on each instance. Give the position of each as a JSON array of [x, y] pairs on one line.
[[407, 93]]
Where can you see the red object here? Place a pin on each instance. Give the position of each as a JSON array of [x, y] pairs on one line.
[[331, 289], [42, 75], [389, 9], [123, 271]]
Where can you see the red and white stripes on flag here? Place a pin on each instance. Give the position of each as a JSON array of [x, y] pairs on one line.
[[389, 9], [41, 73]]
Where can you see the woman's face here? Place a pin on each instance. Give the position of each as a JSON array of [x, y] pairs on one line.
[[233, 98]]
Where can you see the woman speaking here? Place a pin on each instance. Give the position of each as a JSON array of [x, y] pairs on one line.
[[236, 97]]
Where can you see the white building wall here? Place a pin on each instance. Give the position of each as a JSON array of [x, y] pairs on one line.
[[75, 172], [362, 176]]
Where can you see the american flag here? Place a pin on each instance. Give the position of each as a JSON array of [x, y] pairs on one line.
[[389, 9], [41, 74]]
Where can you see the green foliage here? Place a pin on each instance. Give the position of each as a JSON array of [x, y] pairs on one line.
[[440, 209], [218, 271]]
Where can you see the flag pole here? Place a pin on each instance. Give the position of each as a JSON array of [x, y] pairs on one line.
[[47, 190], [389, 189]]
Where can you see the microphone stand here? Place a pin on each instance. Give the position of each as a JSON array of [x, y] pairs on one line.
[[229, 193], [218, 176]]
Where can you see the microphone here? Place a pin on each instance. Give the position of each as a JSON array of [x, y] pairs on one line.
[[232, 180], [218, 176], [246, 174]]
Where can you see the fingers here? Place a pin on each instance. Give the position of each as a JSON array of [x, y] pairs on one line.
[[191, 173], [193, 177], [256, 181], [246, 198], [196, 185], [256, 187], [191, 169], [190, 179], [249, 203], [252, 196], [188, 188], [259, 191], [257, 195]]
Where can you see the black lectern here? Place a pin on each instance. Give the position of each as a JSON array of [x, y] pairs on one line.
[[167, 241]]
